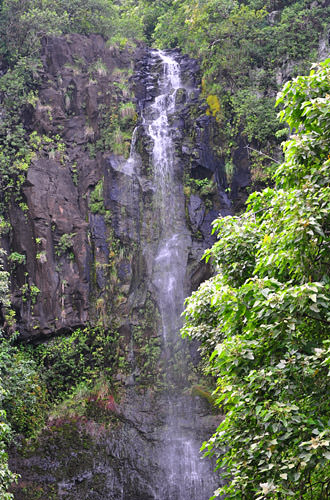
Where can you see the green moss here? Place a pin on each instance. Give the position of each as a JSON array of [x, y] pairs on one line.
[[214, 105], [198, 390]]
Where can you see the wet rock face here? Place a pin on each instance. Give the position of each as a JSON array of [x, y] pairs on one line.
[[66, 244], [51, 196], [111, 454]]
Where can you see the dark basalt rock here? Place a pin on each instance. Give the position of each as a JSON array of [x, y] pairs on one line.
[[58, 186], [196, 210], [122, 196]]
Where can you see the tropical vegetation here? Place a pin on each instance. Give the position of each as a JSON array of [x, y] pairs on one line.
[[263, 319]]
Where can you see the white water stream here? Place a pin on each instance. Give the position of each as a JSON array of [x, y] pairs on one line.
[[170, 260], [186, 474]]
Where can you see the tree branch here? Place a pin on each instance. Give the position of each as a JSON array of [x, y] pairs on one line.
[[263, 154]]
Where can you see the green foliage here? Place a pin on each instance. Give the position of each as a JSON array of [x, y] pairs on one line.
[[81, 357], [16, 257], [15, 154], [22, 23], [98, 68], [149, 13], [263, 320], [6, 476], [96, 200], [204, 187], [255, 115], [24, 395], [148, 354], [30, 292], [147, 344], [86, 399], [118, 123], [127, 111], [4, 286], [65, 244]]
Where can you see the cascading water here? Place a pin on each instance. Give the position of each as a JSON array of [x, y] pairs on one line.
[[186, 475], [170, 260]]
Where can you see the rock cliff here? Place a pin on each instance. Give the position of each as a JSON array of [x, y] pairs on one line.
[[84, 87], [79, 226], [88, 230]]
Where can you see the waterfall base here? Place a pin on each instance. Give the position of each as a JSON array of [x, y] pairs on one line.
[[115, 454]]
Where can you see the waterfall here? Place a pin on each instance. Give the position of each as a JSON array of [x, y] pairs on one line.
[[185, 474], [170, 260], [144, 446]]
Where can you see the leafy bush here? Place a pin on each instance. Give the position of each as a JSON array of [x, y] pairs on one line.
[[65, 243], [16, 257], [65, 362], [96, 201], [24, 394], [7, 477]]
